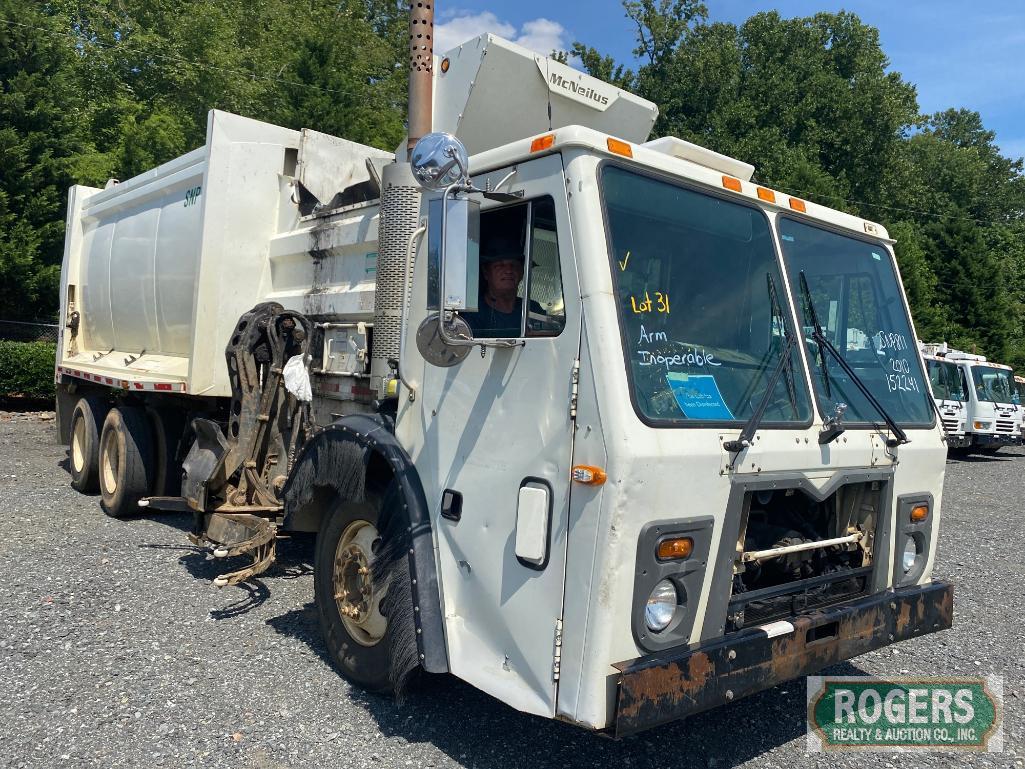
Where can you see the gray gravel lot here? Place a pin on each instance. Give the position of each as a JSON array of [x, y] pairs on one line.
[[115, 651]]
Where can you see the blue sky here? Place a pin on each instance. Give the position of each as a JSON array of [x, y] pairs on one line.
[[957, 54]]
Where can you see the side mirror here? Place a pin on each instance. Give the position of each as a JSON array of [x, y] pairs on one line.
[[440, 163], [453, 241], [439, 160]]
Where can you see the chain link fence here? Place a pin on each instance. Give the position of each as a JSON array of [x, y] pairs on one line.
[[19, 331]]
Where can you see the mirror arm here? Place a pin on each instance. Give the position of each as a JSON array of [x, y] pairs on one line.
[[501, 183]]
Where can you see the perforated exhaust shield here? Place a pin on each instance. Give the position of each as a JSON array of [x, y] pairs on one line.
[[400, 212]]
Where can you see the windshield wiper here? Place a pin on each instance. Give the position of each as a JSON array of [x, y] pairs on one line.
[[826, 346], [785, 363]]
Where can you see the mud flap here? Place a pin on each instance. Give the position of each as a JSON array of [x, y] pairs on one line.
[[204, 463]]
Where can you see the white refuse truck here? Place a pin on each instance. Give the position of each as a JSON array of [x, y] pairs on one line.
[[950, 392], [572, 412], [993, 415]]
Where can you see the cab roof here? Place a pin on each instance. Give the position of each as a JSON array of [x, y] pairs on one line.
[[680, 159]]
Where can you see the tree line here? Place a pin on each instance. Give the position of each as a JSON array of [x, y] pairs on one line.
[[110, 88]]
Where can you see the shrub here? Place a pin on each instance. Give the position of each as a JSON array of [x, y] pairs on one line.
[[26, 368]]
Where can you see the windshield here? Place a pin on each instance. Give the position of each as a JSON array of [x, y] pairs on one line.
[[945, 378], [700, 296], [859, 305], [994, 384]]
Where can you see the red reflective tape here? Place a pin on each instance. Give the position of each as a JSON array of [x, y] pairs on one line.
[[162, 386], [110, 381], [138, 385]]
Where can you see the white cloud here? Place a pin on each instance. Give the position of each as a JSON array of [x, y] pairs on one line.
[[541, 35]]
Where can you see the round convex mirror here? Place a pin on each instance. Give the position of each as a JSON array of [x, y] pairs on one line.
[[439, 160], [433, 347]]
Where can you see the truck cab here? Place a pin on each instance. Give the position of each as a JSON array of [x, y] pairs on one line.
[[950, 392], [993, 415], [678, 287]]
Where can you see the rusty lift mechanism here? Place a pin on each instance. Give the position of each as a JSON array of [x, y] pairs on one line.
[[233, 478]]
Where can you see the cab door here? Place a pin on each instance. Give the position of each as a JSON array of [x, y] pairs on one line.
[[495, 443]]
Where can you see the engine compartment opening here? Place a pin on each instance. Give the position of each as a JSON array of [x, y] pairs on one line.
[[796, 553]]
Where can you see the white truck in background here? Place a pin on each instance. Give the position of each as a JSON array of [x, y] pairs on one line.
[[575, 415], [950, 391], [992, 412], [1019, 390]]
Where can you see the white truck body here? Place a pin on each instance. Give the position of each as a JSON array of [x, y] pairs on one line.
[[950, 393], [539, 579], [160, 267], [992, 416]]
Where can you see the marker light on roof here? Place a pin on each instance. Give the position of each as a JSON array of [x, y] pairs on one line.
[[620, 148]]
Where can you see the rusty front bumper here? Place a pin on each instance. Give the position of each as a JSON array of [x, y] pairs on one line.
[[680, 682]]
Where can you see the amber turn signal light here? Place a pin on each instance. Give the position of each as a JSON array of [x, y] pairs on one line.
[[675, 548], [919, 513], [542, 143], [587, 474]]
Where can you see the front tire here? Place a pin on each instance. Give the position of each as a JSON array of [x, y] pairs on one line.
[[361, 635], [126, 460]]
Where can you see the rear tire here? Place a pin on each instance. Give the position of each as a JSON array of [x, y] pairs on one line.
[[84, 444], [126, 460], [359, 638], [168, 426]]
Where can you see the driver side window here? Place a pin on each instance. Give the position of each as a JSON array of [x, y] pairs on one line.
[[521, 293]]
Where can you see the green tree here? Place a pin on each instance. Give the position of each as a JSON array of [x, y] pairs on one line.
[[952, 181], [344, 78], [972, 286], [43, 150], [920, 282]]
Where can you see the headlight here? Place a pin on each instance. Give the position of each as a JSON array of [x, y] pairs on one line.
[[661, 606], [910, 554], [981, 425]]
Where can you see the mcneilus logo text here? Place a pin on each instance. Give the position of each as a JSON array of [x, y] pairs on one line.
[[931, 713], [580, 90]]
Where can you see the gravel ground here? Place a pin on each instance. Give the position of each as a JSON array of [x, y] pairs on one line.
[[117, 652]]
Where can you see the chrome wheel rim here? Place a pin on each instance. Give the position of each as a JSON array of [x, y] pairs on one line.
[[358, 603]]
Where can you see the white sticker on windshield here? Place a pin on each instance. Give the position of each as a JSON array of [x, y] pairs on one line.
[[877, 257], [788, 238]]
